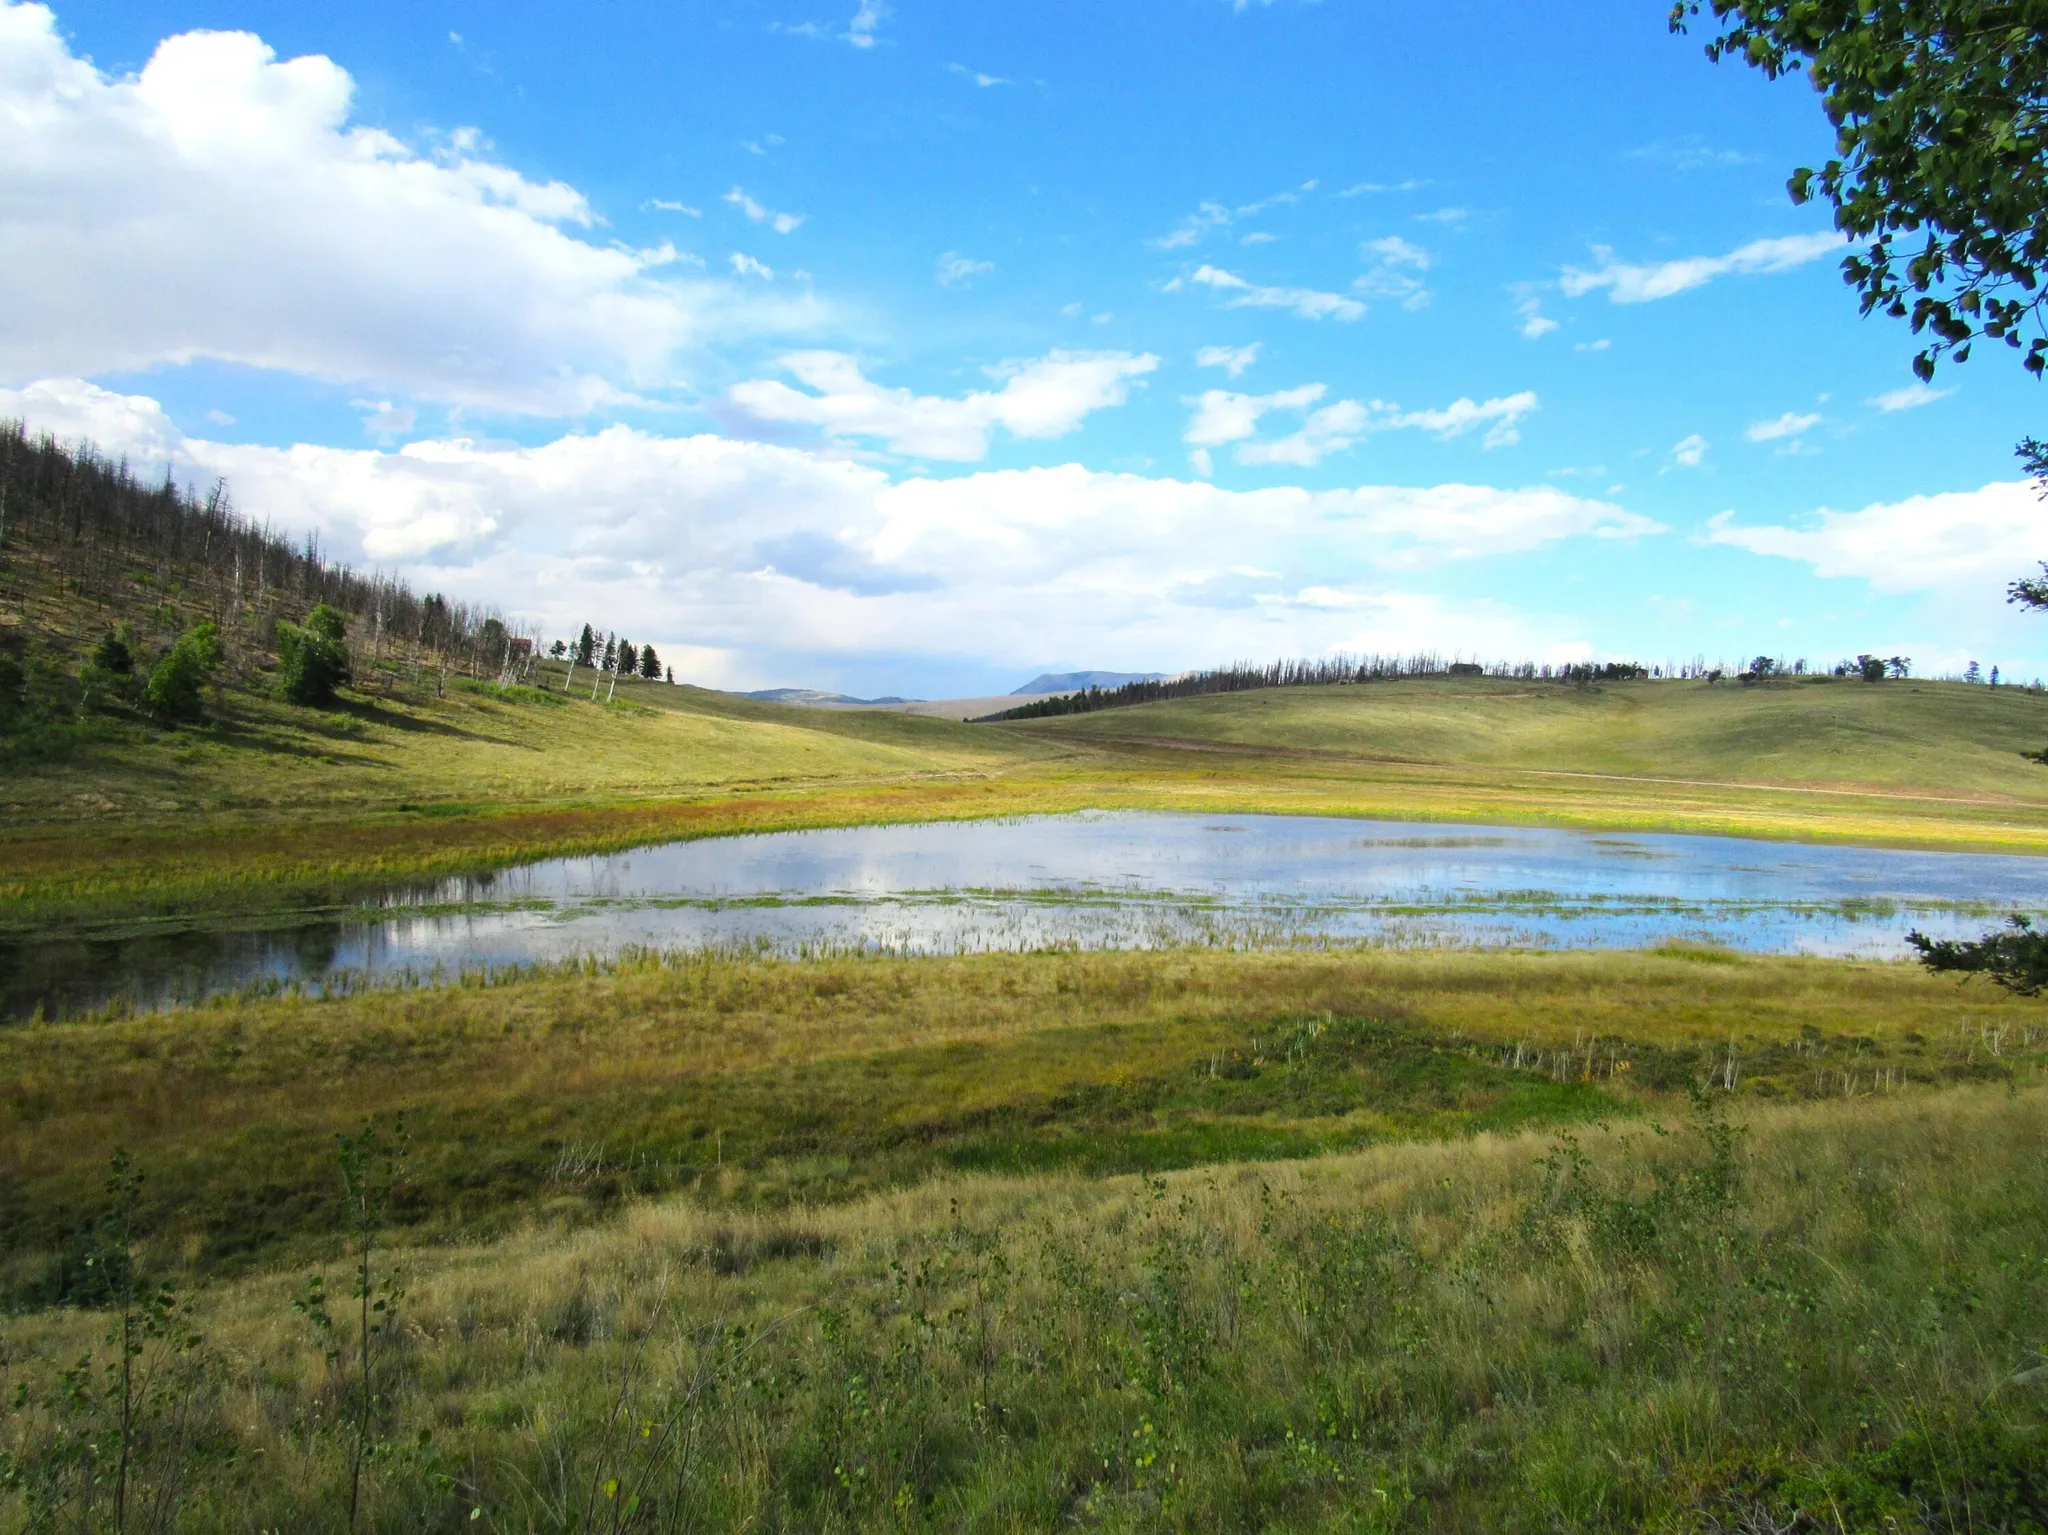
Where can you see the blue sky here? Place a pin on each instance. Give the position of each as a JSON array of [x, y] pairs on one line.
[[917, 348]]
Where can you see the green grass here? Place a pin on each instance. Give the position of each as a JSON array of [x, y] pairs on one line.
[[1822, 1316], [1173, 1240]]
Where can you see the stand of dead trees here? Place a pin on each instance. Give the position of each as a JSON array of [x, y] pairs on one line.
[[116, 549]]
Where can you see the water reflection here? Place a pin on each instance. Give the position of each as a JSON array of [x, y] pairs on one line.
[[1096, 880]]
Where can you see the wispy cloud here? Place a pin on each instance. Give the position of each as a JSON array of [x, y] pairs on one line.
[[1380, 188], [1500, 417], [1635, 284], [781, 223], [1689, 153], [1689, 452], [1192, 228], [1232, 359], [1222, 417], [1307, 303], [744, 265], [977, 76], [1393, 273], [1211, 216], [668, 206], [1445, 216], [957, 271], [1791, 424], [1529, 309], [1912, 397]]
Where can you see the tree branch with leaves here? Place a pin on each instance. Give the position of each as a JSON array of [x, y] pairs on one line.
[[1940, 170]]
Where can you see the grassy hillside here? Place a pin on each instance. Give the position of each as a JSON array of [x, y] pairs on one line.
[[1949, 740], [268, 804], [1451, 1251]]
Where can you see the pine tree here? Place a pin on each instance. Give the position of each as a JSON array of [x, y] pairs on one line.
[[650, 663]]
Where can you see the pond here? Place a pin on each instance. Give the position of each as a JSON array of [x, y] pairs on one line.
[[1123, 879]]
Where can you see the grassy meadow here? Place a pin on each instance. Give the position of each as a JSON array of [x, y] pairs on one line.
[[1192, 1240]]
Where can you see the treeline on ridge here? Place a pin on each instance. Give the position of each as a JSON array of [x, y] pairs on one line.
[[1343, 669], [1328, 671]]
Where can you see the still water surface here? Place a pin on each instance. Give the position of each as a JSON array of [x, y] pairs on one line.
[[1127, 879]]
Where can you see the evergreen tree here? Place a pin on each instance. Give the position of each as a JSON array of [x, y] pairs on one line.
[[115, 653], [586, 646], [650, 664], [611, 654], [312, 661], [629, 658], [109, 672]]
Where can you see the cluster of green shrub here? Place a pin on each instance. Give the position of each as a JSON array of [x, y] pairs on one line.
[[42, 706]]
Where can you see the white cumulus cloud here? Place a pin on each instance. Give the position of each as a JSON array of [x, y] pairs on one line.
[[221, 205], [1627, 283], [727, 551], [1222, 416], [1960, 541], [1044, 397]]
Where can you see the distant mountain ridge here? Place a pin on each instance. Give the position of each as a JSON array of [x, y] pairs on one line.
[[814, 696], [1069, 682]]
